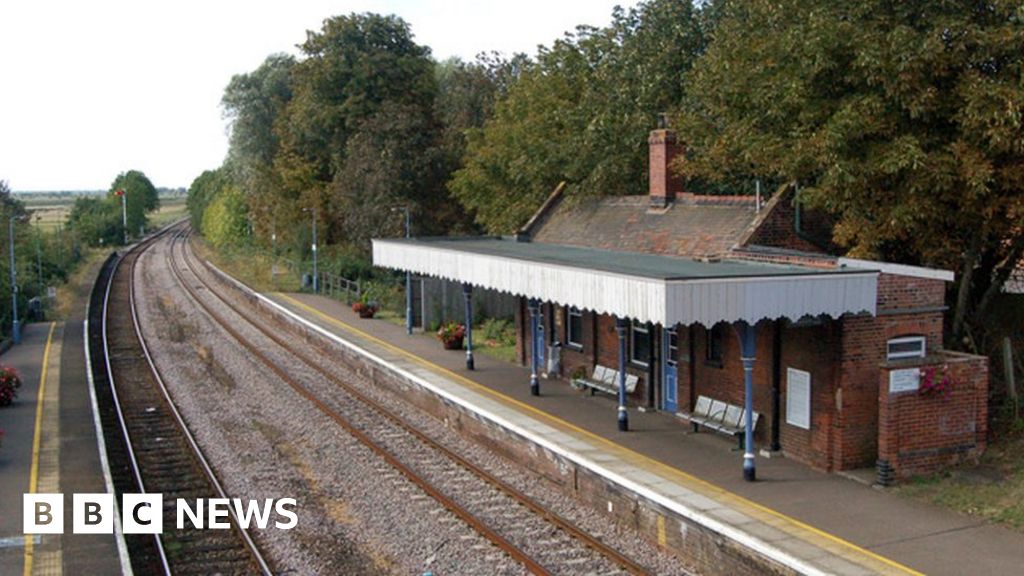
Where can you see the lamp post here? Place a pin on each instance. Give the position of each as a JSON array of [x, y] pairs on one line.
[[124, 213], [408, 274], [16, 324], [316, 281], [39, 258]]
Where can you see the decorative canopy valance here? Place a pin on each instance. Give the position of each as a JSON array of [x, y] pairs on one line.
[[644, 287]]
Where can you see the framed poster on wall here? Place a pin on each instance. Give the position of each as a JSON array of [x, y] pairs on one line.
[[798, 398]]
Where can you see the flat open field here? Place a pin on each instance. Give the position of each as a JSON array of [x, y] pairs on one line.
[[51, 209]]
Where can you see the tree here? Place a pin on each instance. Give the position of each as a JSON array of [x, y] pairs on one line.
[[581, 113], [352, 66], [467, 93], [203, 191], [903, 119], [254, 104], [140, 197], [97, 221], [225, 219]]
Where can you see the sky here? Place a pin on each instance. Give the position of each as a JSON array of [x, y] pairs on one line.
[[92, 89]]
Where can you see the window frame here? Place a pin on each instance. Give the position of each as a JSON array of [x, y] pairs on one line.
[[672, 350], [712, 334], [635, 327], [891, 356], [570, 312]]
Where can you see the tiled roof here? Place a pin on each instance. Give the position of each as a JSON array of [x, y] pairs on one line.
[[693, 226]]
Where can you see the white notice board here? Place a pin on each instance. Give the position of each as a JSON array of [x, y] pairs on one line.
[[798, 398], [906, 380]]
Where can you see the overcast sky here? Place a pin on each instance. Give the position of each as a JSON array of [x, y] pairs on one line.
[[89, 89]]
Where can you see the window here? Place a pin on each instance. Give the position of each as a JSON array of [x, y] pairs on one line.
[[713, 352], [672, 347], [905, 347], [574, 327], [640, 344]]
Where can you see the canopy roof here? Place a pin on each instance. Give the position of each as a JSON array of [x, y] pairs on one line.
[[645, 287]]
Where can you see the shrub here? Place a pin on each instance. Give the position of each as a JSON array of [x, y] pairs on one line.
[[10, 381]]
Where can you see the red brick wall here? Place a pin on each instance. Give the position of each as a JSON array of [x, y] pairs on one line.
[[903, 292], [813, 349], [778, 227], [923, 433], [907, 306], [725, 382], [607, 348], [843, 357]]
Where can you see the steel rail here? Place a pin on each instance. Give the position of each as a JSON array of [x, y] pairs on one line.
[[562, 523], [197, 452], [532, 565], [134, 463]]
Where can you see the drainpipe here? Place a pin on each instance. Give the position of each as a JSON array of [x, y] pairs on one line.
[[652, 363]]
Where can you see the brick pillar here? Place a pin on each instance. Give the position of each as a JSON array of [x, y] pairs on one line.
[[888, 430]]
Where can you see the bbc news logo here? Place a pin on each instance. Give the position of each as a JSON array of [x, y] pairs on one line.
[[144, 513]]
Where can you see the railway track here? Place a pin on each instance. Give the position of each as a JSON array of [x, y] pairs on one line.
[[149, 445], [543, 542]]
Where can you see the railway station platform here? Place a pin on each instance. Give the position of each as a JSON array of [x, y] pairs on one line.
[[50, 447], [802, 519]]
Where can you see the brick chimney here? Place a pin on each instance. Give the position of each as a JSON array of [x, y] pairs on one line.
[[664, 184]]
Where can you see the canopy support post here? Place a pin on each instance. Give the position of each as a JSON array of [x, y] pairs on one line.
[[534, 307], [620, 328], [748, 353], [467, 292]]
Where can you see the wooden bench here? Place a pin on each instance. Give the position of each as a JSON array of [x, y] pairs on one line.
[[606, 380], [721, 417]]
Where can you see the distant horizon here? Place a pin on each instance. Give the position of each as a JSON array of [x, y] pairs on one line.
[[93, 190]]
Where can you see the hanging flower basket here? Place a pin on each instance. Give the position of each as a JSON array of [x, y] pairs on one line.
[[451, 335], [9, 384], [936, 382]]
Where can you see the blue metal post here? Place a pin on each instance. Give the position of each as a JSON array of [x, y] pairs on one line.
[[467, 292], [748, 353], [16, 324], [620, 327], [534, 307]]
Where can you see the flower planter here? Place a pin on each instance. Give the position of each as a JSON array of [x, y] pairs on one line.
[[452, 344], [365, 309]]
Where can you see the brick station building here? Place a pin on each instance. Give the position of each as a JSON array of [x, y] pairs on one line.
[[716, 307]]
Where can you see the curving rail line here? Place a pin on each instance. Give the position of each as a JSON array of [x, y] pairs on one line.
[[160, 451], [623, 562]]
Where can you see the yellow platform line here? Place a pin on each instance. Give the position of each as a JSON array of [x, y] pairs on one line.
[[33, 475], [796, 526]]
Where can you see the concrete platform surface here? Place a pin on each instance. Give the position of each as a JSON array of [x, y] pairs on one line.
[[50, 447], [821, 522]]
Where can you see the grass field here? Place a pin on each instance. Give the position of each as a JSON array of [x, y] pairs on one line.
[[50, 210], [171, 208]]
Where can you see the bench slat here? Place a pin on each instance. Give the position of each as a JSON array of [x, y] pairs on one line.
[[703, 407], [733, 416]]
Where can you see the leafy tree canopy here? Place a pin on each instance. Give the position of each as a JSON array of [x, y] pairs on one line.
[[901, 118], [352, 66], [581, 113], [140, 196]]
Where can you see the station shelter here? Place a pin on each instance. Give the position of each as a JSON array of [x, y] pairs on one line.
[[734, 314]]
